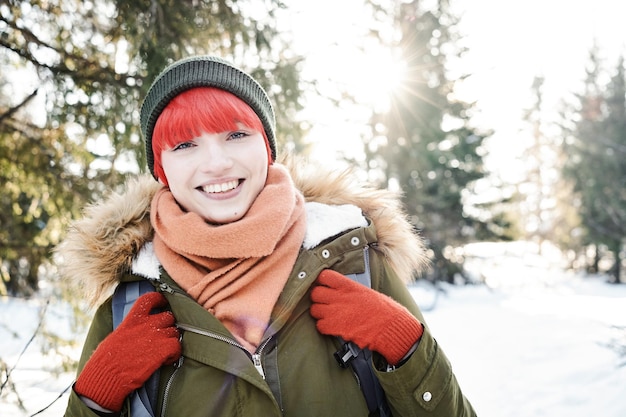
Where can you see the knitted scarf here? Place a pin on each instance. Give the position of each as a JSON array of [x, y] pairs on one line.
[[236, 270]]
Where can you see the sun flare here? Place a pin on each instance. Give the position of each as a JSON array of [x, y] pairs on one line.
[[389, 75], [379, 75]]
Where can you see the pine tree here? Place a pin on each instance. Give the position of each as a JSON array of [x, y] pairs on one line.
[[596, 165], [424, 142], [91, 63], [539, 190]]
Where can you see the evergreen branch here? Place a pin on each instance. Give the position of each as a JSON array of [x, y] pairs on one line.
[[91, 69], [14, 109], [4, 369], [8, 371], [55, 400]]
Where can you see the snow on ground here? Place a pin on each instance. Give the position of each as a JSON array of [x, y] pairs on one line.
[[534, 342], [33, 381]]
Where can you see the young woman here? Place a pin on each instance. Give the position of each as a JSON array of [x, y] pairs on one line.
[[250, 259]]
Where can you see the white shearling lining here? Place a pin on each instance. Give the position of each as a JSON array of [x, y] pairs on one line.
[[324, 221], [146, 263]]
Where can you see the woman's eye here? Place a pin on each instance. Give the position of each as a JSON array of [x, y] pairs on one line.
[[182, 145], [237, 135]]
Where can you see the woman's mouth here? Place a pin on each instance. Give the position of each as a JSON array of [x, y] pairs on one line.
[[220, 188]]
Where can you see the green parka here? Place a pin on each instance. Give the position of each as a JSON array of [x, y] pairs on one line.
[[298, 375]]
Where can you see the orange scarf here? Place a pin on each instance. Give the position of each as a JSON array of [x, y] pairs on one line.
[[237, 270]]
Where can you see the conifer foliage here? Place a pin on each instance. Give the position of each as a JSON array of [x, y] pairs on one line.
[[596, 161], [424, 142], [73, 74]]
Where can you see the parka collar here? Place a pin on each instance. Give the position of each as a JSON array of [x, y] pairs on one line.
[[101, 246]]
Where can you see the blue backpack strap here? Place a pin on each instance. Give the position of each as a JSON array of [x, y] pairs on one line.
[[143, 401], [360, 360], [125, 296]]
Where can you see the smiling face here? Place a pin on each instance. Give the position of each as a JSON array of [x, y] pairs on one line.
[[210, 149], [217, 175]]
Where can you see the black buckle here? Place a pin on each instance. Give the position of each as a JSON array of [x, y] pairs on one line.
[[346, 354]]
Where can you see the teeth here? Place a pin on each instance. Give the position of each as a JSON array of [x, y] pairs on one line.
[[220, 188]]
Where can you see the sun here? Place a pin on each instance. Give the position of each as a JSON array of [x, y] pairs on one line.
[[387, 75], [373, 76]]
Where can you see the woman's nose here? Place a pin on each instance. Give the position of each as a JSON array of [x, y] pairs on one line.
[[215, 157]]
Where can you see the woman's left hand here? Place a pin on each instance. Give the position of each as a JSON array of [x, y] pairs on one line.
[[364, 316]]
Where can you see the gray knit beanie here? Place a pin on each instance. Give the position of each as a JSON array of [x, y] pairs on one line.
[[203, 71]]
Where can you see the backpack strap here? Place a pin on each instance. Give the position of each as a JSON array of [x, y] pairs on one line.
[[125, 296], [143, 401], [360, 360]]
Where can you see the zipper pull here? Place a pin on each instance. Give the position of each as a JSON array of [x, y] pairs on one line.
[[181, 359], [256, 359], [179, 362], [166, 288]]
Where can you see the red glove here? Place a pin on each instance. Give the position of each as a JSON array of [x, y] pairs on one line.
[[127, 357], [363, 316]]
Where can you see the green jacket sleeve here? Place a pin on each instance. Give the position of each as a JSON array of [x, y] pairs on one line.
[[101, 326], [424, 385]]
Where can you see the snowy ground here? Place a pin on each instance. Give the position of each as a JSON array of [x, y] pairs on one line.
[[535, 342]]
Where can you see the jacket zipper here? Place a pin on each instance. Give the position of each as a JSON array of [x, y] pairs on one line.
[[164, 287], [254, 357], [168, 385]]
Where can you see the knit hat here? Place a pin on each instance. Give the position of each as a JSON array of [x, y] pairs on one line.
[[204, 71]]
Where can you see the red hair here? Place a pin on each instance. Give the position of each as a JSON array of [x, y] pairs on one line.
[[198, 110]]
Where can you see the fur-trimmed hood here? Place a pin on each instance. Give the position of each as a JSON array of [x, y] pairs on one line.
[[101, 246]]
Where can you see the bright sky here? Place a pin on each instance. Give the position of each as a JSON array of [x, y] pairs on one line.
[[510, 42]]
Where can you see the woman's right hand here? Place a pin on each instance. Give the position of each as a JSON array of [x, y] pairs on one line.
[[127, 357]]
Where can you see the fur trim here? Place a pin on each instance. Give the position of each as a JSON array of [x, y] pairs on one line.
[[105, 243], [100, 247], [397, 238]]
